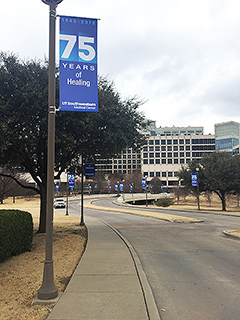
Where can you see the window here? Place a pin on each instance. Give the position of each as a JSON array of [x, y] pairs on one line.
[[175, 161], [145, 148], [157, 148], [164, 174], [157, 161], [169, 148], [181, 141], [187, 154], [145, 155], [187, 147], [181, 154], [169, 161], [187, 141], [163, 141], [145, 174], [175, 141], [157, 142], [164, 161], [151, 161], [175, 154], [151, 148], [181, 148], [157, 174], [157, 154], [151, 155], [163, 148], [175, 148], [170, 174], [150, 142], [151, 174], [169, 141], [163, 154], [169, 154], [181, 160]]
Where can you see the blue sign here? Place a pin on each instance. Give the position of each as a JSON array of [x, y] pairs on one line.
[[144, 184], [90, 188], [110, 188], [57, 187], [121, 186], [116, 187], [71, 181], [194, 179], [89, 169], [131, 187], [78, 64]]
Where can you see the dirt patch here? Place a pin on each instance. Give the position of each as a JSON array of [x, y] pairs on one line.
[[21, 276]]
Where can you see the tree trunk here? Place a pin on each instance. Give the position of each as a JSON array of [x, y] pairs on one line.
[[223, 202], [43, 206]]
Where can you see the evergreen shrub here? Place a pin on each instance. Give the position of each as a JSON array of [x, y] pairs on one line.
[[16, 232], [165, 201]]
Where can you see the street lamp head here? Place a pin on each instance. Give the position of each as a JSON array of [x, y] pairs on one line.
[[52, 1]]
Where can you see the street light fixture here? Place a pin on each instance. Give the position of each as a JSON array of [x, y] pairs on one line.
[[48, 290]]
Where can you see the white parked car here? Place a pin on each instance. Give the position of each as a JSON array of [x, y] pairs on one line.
[[59, 203]]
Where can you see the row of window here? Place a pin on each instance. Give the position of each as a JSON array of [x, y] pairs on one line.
[[181, 141], [166, 161], [129, 166], [178, 148], [127, 161], [162, 174], [172, 154]]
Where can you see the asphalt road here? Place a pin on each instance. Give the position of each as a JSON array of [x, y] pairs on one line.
[[193, 269]]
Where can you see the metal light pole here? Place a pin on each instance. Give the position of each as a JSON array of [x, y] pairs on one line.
[[198, 201], [82, 216], [48, 290]]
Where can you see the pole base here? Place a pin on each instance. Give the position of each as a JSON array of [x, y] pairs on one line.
[[48, 289]]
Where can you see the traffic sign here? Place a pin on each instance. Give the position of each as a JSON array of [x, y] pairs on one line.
[[89, 169]]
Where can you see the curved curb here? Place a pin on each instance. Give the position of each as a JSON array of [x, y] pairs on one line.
[[229, 234], [149, 299], [161, 216]]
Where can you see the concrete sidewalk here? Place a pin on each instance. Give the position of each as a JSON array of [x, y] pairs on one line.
[[108, 283]]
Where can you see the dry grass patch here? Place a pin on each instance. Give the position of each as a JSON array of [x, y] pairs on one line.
[[21, 276]]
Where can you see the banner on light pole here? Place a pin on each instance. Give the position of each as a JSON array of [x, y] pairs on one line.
[[78, 86]]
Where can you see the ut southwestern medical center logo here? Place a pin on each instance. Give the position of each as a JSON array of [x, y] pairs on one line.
[[78, 64]]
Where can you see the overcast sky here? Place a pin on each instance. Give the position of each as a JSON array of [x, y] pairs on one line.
[[181, 56]]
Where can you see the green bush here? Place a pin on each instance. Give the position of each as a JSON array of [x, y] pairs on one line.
[[16, 232], [165, 201]]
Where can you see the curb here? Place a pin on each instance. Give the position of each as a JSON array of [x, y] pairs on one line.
[[150, 302], [229, 234]]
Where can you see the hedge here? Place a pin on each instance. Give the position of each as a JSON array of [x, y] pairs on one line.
[[16, 232], [165, 201]]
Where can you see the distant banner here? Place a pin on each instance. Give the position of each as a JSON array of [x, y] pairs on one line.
[[78, 64]]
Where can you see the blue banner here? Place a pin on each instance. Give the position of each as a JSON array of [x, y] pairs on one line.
[[71, 181], [121, 186], [144, 184], [78, 87], [194, 179]]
